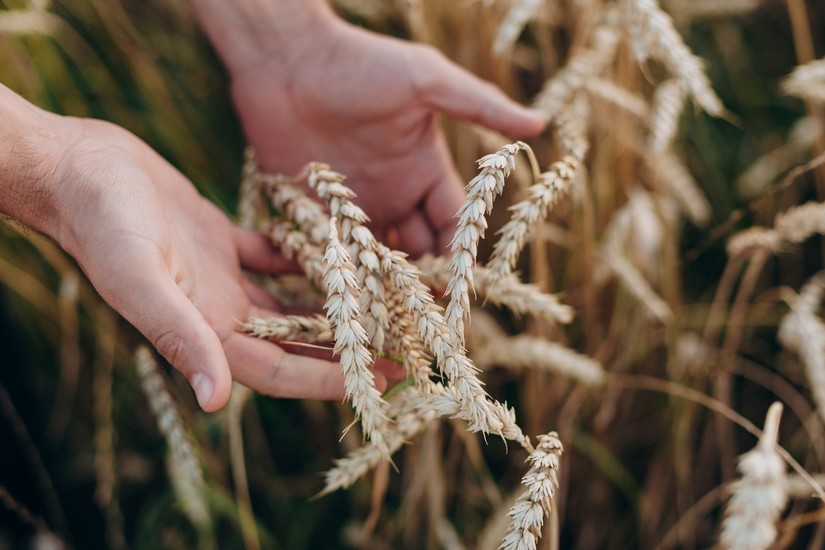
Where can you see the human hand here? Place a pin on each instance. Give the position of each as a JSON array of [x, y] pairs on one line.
[[167, 260], [366, 104]]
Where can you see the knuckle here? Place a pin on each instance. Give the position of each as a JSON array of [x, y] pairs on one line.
[[172, 345]]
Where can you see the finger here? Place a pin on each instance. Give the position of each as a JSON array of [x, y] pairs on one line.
[[160, 310], [415, 235], [268, 369], [257, 253], [392, 370], [448, 88]]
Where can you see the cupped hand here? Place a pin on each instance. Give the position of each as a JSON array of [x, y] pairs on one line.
[[171, 263], [366, 104]]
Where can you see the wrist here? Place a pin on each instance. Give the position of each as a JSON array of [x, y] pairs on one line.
[[32, 144], [248, 33]]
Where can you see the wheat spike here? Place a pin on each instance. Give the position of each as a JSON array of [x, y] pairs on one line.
[[759, 495], [351, 341], [533, 505]]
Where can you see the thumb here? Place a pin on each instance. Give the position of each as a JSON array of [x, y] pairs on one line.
[[161, 311], [446, 87]]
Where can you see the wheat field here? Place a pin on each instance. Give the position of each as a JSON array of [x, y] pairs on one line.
[[623, 348]]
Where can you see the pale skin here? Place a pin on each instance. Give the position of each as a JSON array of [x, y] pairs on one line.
[[170, 262]]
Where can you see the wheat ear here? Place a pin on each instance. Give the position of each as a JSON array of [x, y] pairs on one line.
[[518, 352], [183, 465], [482, 413], [807, 81], [351, 341], [652, 34], [533, 505], [481, 192], [300, 328], [668, 104], [551, 187], [793, 226], [803, 332], [520, 298], [759, 496], [372, 300]]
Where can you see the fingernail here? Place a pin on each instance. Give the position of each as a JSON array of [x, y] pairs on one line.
[[204, 388]]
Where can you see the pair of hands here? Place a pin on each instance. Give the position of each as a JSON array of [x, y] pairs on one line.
[[171, 263]]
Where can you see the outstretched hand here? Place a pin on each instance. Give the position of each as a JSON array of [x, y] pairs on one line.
[[170, 262], [366, 104]]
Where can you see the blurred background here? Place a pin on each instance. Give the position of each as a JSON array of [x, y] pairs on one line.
[[82, 463]]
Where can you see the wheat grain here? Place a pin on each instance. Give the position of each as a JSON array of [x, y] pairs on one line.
[[295, 244], [541, 480], [759, 495]]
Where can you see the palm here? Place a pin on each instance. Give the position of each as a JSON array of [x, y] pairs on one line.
[[366, 104]]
